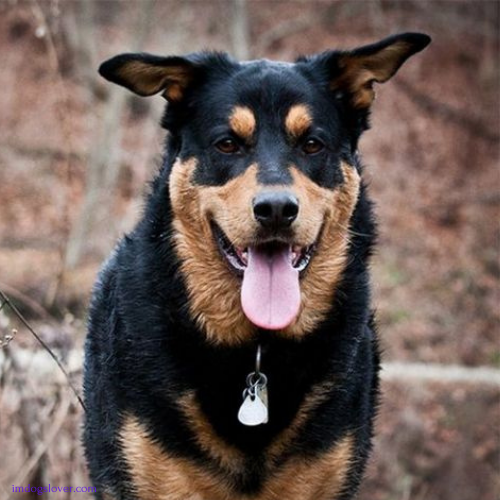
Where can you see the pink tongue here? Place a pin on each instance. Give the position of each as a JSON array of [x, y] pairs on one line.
[[270, 295]]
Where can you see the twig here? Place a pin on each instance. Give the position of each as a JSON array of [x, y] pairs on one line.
[[33, 305], [27, 421], [4, 492], [25, 322], [240, 30], [64, 113], [4, 373], [8, 338], [446, 112], [41, 152], [58, 421], [103, 166], [283, 30], [446, 16]]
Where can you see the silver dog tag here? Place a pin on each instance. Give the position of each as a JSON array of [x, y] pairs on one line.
[[253, 411], [255, 408], [262, 395]]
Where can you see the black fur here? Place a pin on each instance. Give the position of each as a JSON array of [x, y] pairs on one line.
[[143, 349]]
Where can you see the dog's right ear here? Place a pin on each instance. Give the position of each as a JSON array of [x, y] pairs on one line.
[[352, 73], [147, 74]]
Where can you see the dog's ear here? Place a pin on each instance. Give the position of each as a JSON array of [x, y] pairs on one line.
[[353, 73], [147, 74]]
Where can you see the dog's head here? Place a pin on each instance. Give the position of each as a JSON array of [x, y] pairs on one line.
[[264, 183]]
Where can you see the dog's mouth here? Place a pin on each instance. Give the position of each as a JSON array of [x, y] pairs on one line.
[[237, 257], [270, 272]]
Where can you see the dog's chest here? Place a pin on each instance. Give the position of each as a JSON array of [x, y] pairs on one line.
[[158, 475], [225, 472]]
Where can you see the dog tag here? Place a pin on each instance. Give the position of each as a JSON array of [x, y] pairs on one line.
[[262, 395], [253, 411]]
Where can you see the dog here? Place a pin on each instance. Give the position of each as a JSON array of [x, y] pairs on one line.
[[231, 350]]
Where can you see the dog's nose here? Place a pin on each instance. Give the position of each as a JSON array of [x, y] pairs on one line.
[[275, 209]]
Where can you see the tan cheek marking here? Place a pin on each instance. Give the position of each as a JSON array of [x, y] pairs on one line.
[[227, 456], [298, 120], [214, 292], [328, 264], [242, 121], [231, 206], [158, 476]]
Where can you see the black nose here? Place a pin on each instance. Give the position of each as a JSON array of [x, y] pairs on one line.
[[275, 209]]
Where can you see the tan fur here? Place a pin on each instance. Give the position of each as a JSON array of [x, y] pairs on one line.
[[312, 401], [229, 457], [360, 72], [298, 120], [225, 455], [214, 292], [326, 268], [242, 121], [305, 479], [148, 79], [157, 475]]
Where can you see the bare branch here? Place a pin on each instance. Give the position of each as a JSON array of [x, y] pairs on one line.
[[283, 30], [240, 30], [64, 115], [57, 422], [103, 166], [29, 425], [8, 338], [4, 298], [22, 297], [446, 112]]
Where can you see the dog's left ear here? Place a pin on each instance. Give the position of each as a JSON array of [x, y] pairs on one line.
[[147, 74], [353, 73]]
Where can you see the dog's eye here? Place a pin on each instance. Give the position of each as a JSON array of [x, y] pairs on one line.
[[312, 146], [227, 146]]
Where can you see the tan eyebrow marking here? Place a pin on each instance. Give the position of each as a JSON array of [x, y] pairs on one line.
[[242, 121], [298, 120]]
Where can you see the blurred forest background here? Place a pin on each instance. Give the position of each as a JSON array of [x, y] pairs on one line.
[[76, 154]]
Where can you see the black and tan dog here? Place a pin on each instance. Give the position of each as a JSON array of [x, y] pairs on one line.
[[231, 352]]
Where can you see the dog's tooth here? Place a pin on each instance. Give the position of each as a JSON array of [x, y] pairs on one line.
[[242, 255]]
